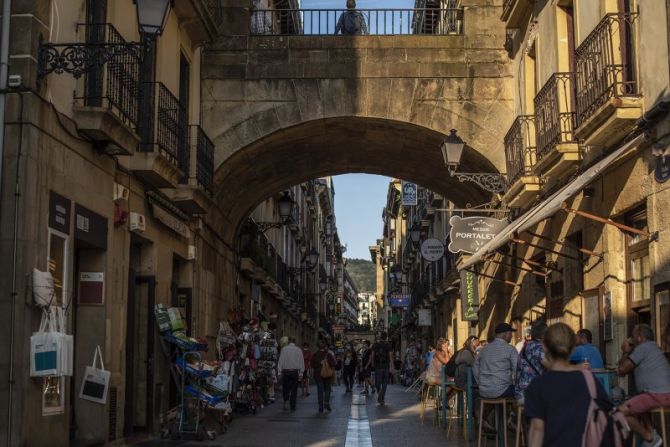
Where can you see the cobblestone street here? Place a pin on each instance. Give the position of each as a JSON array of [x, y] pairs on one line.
[[397, 423]]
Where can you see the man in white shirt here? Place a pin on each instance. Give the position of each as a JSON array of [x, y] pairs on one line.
[[290, 366]]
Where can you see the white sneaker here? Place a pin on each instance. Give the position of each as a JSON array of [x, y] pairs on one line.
[[656, 440]]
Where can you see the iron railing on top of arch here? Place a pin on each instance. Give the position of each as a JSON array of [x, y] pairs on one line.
[[377, 22]]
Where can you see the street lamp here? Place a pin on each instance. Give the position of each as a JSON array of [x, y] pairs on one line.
[[452, 151], [78, 58], [312, 258], [328, 227], [285, 207], [415, 234]]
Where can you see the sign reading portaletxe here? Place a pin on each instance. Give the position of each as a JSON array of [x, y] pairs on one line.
[[469, 296], [469, 234]]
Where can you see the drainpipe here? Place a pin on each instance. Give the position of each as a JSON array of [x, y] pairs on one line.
[[4, 75]]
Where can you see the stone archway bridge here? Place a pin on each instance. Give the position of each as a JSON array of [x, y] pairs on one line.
[[284, 109]]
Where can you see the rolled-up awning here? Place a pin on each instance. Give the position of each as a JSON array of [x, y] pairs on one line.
[[550, 205]]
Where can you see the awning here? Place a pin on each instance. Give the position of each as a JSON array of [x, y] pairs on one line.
[[551, 205]]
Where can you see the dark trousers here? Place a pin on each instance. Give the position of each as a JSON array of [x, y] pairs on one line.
[[323, 388], [349, 378], [289, 382], [381, 380]]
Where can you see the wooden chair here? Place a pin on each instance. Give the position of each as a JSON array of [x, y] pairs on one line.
[[461, 405], [520, 425], [431, 395], [662, 412]]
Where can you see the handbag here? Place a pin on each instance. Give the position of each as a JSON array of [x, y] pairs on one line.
[[46, 348], [326, 369], [96, 381], [65, 366]]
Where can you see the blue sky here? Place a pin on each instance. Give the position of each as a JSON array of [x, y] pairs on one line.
[[359, 200]]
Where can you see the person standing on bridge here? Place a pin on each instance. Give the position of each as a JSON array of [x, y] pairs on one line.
[[351, 22]]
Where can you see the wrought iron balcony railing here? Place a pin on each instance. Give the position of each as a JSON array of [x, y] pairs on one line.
[[163, 126], [204, 158], [604, 64], [520, 150], [322, 22], [554, 113], [116, 84]]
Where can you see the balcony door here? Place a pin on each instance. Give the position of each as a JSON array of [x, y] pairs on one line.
[[96, 16]]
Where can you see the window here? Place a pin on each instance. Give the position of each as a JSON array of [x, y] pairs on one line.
[[57, 265], [663, 316], [638, 274]]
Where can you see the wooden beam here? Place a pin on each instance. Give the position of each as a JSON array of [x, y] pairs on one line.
[[562, 244], [607, 221], [525, 269], [522, 242]]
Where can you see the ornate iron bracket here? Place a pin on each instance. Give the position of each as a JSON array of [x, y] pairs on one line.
[[496, 183], [80, 58], [265, 226]]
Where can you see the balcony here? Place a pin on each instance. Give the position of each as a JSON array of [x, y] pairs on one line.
[[163, 156], [608, 103], [194, 195], [557, 148], [106, 107], [515, 11], [521, 156], [201, 19]]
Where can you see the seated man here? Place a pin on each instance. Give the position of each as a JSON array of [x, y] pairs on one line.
[[585, 352], [495, 366], [643, 358]]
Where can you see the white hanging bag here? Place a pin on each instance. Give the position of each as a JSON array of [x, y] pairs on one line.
[[45, 348], [96, 381]]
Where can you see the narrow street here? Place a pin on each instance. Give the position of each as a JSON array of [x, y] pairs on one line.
[[354, 422]]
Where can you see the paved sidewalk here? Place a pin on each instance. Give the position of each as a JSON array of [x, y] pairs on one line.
[[396, 423]]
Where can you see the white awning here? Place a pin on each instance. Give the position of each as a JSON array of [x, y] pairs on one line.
[[551, 205]]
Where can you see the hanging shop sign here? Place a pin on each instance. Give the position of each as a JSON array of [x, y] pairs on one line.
[[469, 296], [425, 317], [662, 172], [90, 228], [399, 300], [59, 212], [409, 193], [91, 288], [469, 234], [432, 250]]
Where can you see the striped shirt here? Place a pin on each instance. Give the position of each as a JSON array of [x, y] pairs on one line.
[[494, 368]]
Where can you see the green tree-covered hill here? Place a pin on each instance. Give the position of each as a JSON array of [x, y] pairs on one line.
[[362, 272]]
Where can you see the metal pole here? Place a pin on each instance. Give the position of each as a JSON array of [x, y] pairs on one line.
[[318, 308], [4, 75]]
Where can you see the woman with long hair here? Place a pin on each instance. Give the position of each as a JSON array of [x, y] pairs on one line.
[[441, 357]]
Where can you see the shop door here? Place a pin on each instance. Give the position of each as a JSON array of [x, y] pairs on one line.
[[139, 354]]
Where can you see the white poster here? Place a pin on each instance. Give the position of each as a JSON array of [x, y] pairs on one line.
[[425, 318]]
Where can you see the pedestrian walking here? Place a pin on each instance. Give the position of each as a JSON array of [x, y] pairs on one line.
[[366, 368], [351, 22], [643, 358], [307, 355], [350, 363], [381, 359], [323, 369], [290, 366], [558, 401]]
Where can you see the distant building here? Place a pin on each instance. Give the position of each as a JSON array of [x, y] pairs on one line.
[[367, 309]]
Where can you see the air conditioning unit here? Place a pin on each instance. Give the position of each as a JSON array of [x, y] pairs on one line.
[[137, 222], [121, 193], [192, 253]]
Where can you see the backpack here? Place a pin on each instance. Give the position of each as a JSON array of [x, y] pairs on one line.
[[352, 23], [381, 353], [326, 370], [450, 367], [605, 425]]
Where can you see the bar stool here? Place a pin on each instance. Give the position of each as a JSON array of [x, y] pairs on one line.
[[461, 405], [432, 393], [496, 404], [520, 433], [662, 412]]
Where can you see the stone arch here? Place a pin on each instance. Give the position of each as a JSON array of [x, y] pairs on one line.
[[334, 146]]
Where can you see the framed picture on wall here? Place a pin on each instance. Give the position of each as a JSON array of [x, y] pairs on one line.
[[608, 321]]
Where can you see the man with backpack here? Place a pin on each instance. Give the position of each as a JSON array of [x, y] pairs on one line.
[[382, 359], [351, 22]]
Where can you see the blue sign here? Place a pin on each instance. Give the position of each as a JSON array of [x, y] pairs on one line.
[[399, 300], [409, 193]]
